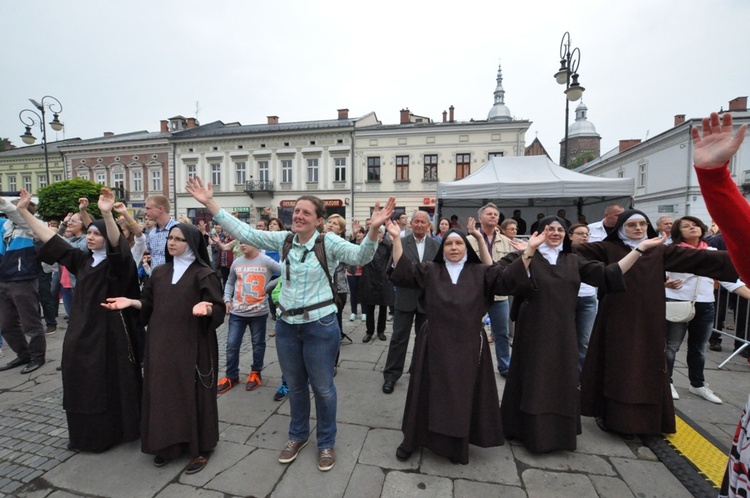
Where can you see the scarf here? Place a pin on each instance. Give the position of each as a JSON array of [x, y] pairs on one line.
[[701, 245], [181, 264], [632, 243]]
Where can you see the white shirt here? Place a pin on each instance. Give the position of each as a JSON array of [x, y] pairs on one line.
[[420, 247], [597, 232]]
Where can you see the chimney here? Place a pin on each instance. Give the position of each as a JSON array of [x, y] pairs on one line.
[[450, 114], [627, 144], [405, 115], [738, 104], [445, 116], [273, 119], [679, 119], [343, 113], [108, 134], [164, 126], [191, 123]]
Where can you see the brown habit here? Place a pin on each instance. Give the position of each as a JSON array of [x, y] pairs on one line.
[[101, 379], [452, 397], [624, 377], [180, 413], [541, 398]]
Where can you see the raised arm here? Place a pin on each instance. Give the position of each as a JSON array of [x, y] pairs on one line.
[[630, 258], [86, 218], [484, 253], [202, 193], [133, 225], [380, 216], [40, 228], [106, 203], [715, 146], [395, 232]]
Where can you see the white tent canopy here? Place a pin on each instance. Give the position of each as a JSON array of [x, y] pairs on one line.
[[533, 184]]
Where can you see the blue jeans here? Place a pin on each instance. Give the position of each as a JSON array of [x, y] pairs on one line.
[[307, 353], [235, 333], [585, 316], [698, 331], [67, 296], [499, 315]]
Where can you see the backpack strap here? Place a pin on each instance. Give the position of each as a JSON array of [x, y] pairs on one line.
[[320, 254]]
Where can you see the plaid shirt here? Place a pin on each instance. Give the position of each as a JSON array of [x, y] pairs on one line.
[[157, 243], [307, 284]]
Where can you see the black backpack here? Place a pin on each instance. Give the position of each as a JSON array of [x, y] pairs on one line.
[[320, 253]]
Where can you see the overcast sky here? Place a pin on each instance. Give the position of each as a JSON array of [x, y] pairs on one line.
[[123, 66]]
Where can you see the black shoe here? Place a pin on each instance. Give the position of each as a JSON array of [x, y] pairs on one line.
[[33, 365], [382, 336], [715, 346], [388, 386], [601, 424], [402, 455], [367, 338], [15, 363], [504, 375]]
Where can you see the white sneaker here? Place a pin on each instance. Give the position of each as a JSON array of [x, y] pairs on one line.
[[1, 353], [706, 393], [352, 317], [675, 394], [364, 317]]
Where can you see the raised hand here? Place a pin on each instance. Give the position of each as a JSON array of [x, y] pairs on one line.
[[83, 203], [471, 228], [381, 215], [356, 226], [656, 241], [393, 230], [202, 193], [716, 145], [120, 208], [537, 239], [106, 201], [24, 199], [519, 244]]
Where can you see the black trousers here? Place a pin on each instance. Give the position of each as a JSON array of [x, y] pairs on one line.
[[402, 323], [369, 310]]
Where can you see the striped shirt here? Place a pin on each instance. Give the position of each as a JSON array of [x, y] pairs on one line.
[[307, 284], [157, 243]]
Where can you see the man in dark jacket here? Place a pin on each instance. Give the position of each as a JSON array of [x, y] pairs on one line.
[[19, 292], [418, 247]]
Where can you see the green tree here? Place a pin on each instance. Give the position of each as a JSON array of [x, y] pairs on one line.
[[581, 159], [61, 198]]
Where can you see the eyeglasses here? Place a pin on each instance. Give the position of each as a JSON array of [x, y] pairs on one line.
[[176, 239], [581, 234], [74, 221]]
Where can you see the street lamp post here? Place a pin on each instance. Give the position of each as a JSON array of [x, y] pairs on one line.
[[569, 61], [30, 118]]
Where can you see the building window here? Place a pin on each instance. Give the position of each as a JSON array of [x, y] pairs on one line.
[[240, 172], [216, 174], [12, 183], [339, 171], [119, 180], [286, 171], [463, 165], [156, 180], [263, 171], [642, 175], [42, 181], [430, 167], [27, 183], [402, 167], [495, 154], [137, 181], [191, 170], [620, 173], [373, 169], [57, 177], [101, 178], [312, 170]]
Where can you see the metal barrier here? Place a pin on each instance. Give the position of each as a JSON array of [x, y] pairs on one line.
[[732, 320]]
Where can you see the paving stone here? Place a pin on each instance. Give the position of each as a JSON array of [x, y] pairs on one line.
[[470, 489], [11, 486], [644, 453], [380, 450], [361, 400], [611, 487], [252, 409], [254, 475], [494, 465], [409, 485], [649, 479], [236, 434], [274, 434], [32, 475], [224, 457], [595, 441], [564, 461], [181, 491], [366, 482], [546, 484]]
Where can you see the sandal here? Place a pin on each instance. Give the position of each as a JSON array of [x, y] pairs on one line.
[[160, 461], [196, 465]]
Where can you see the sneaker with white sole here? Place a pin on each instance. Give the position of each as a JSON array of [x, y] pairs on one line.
[[352, 317], [706, 393], [675, 394], [364, 317]]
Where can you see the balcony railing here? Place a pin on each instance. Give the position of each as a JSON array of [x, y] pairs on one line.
[[259, 187]]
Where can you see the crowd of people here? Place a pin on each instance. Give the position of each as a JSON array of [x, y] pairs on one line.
[[144, 364]]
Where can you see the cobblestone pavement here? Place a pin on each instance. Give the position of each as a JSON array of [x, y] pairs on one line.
[[34, 461]]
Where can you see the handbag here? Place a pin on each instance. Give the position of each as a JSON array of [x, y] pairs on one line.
[[682, 311]]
